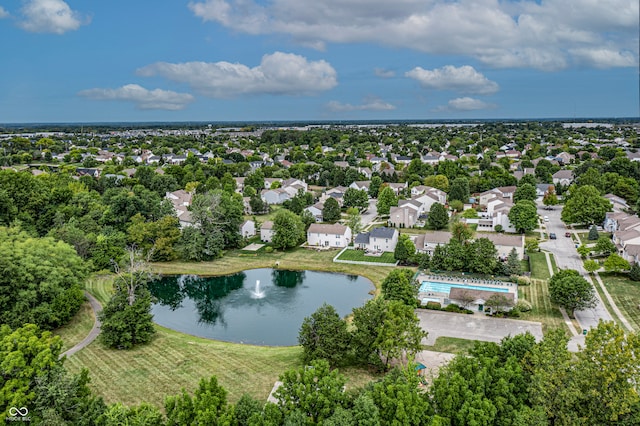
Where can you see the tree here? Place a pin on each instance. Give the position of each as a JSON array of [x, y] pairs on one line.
[[355, 198], [550, 198], [208, 406], [461, 232], [482, 256], [569, 290], [591, 266], [607, 373], [365, 412], [354, 221], [585, 205], [405, 249], [126, 319], [314, 390], [438, 217], [331, 210], [439, 258], [459, 190], [498, 302], [593, 233], [605, 246], [399, 285], [634, 272], [143, 414], [409, 406], [440, 182], [470, 214], [374, 186], [41, 280], [257, 205], [616, 263], [218, 215], [514, 267], [366, 321], [323, 335], [386, 199], [583, 251], [288, 230], [26, 353], [524, 216], [525, 192], [399, 334]]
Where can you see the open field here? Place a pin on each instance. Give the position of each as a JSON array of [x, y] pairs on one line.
[[626, 295], [78, 328], [358, 256]]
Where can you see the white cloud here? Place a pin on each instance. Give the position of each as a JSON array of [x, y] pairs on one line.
[[50, 16], [383, 73], [143, 98], [528, 33], [3, 13], [278, 74], [465, 104], [464, 79], [369, 104]]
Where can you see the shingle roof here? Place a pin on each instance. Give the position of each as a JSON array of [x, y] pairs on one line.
[[383, 232], [321, 228]]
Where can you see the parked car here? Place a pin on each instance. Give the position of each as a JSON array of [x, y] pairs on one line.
[[552, 236], [546, 218], [567, 234]]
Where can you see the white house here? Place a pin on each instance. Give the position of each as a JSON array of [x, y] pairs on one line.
[[316, 211], [426, 243], [403, 217], [361, 185], [266, 232], [248, 229], [564, 177], [325, 235], [398, 187], [504, 243], [275, 196], [378, 239]]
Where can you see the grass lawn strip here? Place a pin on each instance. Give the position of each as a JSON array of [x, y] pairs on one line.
[[626, 295], [78, 328], [539, 268], [358, 256], [451, 345]]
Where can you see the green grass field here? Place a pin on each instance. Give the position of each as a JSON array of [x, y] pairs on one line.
[[451, 345], [539, 268], [543, 310], [358, 256], [626, 295], [78, 328]]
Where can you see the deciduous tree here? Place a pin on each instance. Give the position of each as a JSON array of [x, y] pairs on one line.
[[331, 210], [438, 217], [386, 199], [616, 263], [569, 290], [524, 216], [323, 335], [585, 205], [288, 230]]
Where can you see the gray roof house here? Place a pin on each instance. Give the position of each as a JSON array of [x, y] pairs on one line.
[[378, 239]]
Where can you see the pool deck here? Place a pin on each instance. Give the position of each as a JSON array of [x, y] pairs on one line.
[[489, 285]]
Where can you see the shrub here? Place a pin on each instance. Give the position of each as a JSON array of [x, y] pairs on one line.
[[634, 272], [436, 306], [452, 308], [593, 233], [513, 313], [524, 281], [523, 306], [268, 249]]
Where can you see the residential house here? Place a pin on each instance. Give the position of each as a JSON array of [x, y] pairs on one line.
[[275, 196], [378, 239], [504, 243], [429, 197], [268, 182], [361, 185], [398, 187], [266, 232], [626, 234], [564, 177], [543, 188], [494, 211], [181, 200], [296, 183], [427, 242], [619, 204], [248, 229], [316, 211], [403, 217], [326, 235], [366, 172]]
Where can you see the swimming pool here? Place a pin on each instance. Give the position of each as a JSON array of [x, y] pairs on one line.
[[439, 287]]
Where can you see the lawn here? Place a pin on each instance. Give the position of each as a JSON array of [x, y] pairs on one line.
[[78, 328], [625, 294], [359, 256], [175, 360], [543, 310], [451, 345], [554, 266], [539, 268]]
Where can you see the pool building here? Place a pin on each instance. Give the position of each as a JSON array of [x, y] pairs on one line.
[[470, 293]]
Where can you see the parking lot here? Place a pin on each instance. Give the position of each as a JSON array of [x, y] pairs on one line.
[[473, 327]]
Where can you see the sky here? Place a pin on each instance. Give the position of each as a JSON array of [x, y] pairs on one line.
[[255, 60]]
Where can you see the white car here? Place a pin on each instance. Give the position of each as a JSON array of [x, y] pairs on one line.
[[546, 218]]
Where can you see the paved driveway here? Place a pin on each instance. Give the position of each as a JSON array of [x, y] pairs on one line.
[[567, 257], [473, 327], [368, 216]]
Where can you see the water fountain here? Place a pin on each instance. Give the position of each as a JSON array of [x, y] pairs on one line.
[[256, 293]]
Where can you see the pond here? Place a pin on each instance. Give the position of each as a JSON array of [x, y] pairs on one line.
[[257, 306]]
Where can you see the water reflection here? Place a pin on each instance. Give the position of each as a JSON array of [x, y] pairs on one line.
[[223, 307]]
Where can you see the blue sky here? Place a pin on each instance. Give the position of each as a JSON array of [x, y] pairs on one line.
[[219, 60]]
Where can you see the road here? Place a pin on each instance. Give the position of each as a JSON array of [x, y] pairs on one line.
[[567, 257], [371, 213]]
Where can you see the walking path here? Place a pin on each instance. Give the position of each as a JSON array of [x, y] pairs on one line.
[[615, 308], [95, 331]]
